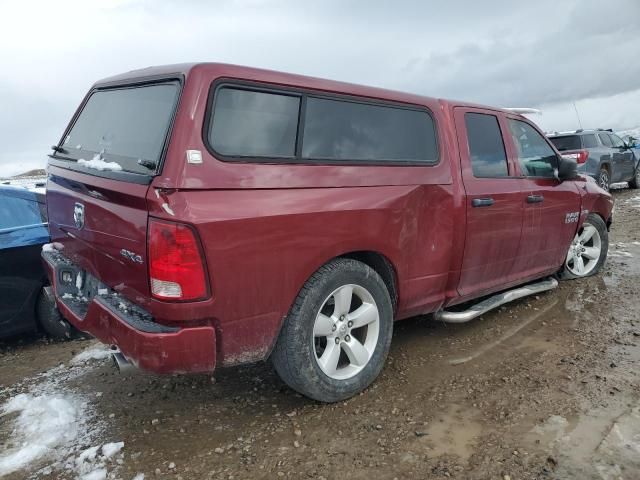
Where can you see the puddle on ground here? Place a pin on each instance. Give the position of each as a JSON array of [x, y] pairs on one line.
[[601, 444], [453, 432]]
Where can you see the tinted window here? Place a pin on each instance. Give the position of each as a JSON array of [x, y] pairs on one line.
[[536, 157], [18, 212], [604, 138], [486, 148], [340, 130], [567, 142], [254, 124], [589, 141], [616, 141], [127, 124]]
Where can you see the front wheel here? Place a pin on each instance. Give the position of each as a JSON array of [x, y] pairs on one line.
[[588, 250], [604, 180], [335, 340]]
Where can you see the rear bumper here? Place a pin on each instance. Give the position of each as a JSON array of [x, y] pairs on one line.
[[114, 320]]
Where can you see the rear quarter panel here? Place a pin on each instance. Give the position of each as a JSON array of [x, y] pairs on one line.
[[261, 246]]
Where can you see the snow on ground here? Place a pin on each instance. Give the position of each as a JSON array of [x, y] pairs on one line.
[[35, 184], [97, 163], [50, 425], [634, 201], [98, 352]]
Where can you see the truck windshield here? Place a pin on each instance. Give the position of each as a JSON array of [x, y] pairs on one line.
[[122, 129], [567, 142]]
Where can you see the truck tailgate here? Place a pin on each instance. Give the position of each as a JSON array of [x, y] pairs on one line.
[[101, 224]]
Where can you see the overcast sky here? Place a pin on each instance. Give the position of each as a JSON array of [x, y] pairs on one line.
[[542, 53]]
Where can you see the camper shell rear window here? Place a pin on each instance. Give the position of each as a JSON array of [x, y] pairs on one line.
[[121, 129]]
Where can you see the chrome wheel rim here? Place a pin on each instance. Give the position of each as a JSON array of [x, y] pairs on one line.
[[584, 251], [603, 180], [346, 331]]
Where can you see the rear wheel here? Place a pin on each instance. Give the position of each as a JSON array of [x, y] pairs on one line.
[[588, 251], [604, 179], [335, 340], [635, 181]]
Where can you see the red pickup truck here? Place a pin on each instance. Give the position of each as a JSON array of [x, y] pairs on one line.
[[209, 215]]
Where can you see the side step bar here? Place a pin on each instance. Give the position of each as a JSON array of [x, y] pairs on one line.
[[495, 301]]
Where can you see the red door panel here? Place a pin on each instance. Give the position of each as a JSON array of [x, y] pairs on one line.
[[493, 207], [551, 207]]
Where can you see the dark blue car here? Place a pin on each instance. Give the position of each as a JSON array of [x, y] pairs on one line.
[[25, 303]]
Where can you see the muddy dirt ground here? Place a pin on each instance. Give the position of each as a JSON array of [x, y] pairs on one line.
[[547, 387]]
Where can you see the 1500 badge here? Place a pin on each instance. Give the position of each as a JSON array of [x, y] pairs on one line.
[[572, 217]]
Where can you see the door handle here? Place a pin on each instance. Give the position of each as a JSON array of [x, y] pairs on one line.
[[535, 199], [482, 202]]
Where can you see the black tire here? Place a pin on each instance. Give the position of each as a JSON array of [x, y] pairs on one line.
[[295, 355], [635, 181], [601, 227], [50, 320], [604, 179]]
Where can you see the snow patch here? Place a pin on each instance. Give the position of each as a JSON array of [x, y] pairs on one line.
[[52, 247], [94, 353], [98, 474], [50, 425], [97, 163], [44, 423], [634, 201], [110, 449]]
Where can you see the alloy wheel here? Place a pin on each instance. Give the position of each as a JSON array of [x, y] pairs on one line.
[[346, 332], [584, 251], [603, 180]]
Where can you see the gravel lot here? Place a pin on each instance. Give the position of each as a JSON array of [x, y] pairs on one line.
[[547, 387]]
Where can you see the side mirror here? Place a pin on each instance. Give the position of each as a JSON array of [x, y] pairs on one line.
[[567, 169]]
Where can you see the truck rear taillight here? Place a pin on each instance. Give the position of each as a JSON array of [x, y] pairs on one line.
[[580, 156], [176, 265]]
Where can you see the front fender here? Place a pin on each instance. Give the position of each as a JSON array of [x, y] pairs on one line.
[[595, 200]]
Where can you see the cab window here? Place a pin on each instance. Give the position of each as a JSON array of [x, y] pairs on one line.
[[536, 157], [486, 147]]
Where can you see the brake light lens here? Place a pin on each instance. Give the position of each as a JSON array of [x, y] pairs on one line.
[[579, 156], [176, 266]]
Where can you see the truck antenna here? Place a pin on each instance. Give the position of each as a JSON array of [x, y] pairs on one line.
[[577, 115]]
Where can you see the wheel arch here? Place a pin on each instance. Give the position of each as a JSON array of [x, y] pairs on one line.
[[376, 260], [382, 266]]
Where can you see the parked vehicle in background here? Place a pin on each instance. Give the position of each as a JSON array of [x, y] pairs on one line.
[[601, 154], [634, 144], [228, 215], [24, 303]]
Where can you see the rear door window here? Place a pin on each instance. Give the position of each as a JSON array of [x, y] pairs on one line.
[[127, 125], [589, 141], [604, 138], [535, 155], [486, 147], [254, 124], [567, 142]]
